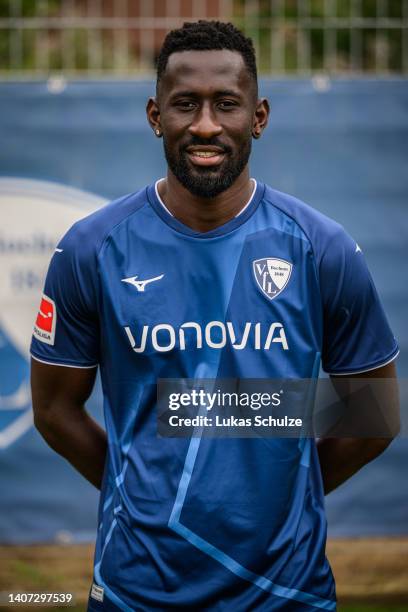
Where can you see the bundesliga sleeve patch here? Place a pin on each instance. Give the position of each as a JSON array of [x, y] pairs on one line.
[[44, 327]]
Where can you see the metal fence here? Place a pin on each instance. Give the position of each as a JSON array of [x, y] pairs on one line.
[[122, 37]]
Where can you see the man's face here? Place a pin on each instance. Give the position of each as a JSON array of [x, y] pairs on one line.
[[206, 102]]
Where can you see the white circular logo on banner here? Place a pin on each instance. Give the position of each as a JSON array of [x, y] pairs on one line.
[[35, 215]]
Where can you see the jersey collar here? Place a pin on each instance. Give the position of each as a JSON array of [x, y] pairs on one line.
[[244, 214]]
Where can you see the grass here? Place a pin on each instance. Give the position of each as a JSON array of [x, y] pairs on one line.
[[371, 574], [367, 607]]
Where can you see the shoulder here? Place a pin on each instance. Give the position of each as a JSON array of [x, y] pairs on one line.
[[89, 233], [324, 234]]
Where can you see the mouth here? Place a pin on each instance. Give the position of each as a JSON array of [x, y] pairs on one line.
[[205, 155]]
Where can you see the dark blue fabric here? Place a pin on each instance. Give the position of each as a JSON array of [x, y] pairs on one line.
[[247, 514], [343, 151]]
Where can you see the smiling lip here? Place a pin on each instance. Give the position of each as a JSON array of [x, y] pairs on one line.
[[205, 155]]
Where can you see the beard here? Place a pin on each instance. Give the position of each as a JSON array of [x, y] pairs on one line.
[[207, 182]]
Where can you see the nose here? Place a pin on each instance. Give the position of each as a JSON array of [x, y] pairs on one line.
[[205, 124]]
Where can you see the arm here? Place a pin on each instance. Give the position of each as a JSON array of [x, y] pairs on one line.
[[340, 458], [58, 395]]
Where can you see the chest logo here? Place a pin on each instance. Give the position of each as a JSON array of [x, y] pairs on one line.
[[141, 284], [272, 275]]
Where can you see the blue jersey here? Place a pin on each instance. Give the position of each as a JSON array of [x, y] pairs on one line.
[[209, 524]]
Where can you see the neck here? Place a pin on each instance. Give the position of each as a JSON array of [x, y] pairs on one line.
[[205, 214]]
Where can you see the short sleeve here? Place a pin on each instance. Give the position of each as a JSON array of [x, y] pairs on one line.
[[356, 333], [66, 330]]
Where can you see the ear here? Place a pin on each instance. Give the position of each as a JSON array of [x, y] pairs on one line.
[[261, 115], [153, 116]]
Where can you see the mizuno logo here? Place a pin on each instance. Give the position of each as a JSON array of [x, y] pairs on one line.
[[140, 284], [215, 334]]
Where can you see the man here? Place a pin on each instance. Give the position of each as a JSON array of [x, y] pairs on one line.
[[208, 273]]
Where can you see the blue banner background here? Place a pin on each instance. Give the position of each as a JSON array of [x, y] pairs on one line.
[[342, 149]]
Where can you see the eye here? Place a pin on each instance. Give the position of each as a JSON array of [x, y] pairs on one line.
[[185, 104], [227, 104]]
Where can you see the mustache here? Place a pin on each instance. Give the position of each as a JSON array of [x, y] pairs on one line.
[[213, 142]]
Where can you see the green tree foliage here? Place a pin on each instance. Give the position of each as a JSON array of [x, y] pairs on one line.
[[289, 35]]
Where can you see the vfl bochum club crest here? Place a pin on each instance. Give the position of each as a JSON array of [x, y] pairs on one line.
[[272, 275]]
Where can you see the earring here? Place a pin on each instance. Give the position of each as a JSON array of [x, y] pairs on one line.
[[157, 132]]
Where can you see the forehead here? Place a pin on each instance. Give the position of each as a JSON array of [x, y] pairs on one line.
[[198, 70]]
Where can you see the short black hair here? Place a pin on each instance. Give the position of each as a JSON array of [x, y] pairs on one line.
[[205, 35]]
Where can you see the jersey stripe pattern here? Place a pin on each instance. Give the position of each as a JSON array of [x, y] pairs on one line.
[[199, 523]]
